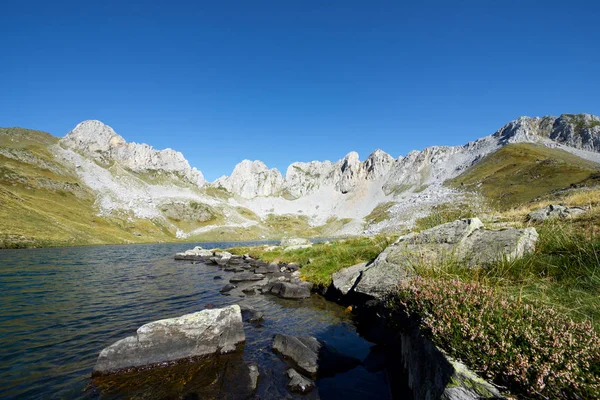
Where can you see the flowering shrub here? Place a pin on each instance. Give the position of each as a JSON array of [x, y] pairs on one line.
[[534, 351]]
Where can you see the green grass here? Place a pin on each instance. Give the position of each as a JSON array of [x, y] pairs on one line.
[[519, 173], [563, 273], [379, 213], [443, 213], [322, 260]]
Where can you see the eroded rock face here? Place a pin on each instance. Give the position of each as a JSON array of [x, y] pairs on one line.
[[101, 143], [463, 241], [216, 331]]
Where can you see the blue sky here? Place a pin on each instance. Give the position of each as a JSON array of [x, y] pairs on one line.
[[285, 81]]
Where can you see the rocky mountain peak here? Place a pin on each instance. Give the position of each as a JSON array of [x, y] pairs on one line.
[[100, 142], [251, 179]]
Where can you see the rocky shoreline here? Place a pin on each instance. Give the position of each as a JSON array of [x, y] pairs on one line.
[[404, 350]]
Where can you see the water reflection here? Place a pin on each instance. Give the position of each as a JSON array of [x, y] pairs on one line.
[[60, 307]]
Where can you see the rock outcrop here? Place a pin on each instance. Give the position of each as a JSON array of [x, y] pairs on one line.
[[252, 179], [207, 332], [464, 241], [101, 143]]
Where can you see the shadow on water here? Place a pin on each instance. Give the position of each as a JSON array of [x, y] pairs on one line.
[[61, 307]]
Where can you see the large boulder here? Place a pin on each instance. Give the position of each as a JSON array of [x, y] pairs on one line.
[[554, 211], [464, 241], [312, 357], [289, 290], [207, 332]]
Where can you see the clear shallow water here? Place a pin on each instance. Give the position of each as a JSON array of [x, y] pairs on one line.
[[60, 307]]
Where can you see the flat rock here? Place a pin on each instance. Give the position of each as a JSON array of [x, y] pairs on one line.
[[299, 383], [246, 276], [345, 279], [207, 332], [312, 357]]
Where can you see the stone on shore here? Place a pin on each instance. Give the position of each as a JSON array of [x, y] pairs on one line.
[[207, 332], [246, 276], [344, 279]]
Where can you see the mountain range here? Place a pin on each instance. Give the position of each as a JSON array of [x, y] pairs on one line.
[[92, 186]]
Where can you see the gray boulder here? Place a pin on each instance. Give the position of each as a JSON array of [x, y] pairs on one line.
[[288, 290], [299, 383], [216, 331], [312, 357], [345, 279], [462, 241], [554, 211]]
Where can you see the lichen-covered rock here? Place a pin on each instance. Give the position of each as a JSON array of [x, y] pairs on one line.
[[554, 211], [215, 331]]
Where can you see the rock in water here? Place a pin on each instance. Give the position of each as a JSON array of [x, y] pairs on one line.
[[312, 356], [207, 332], [344, 279], [299, 383]]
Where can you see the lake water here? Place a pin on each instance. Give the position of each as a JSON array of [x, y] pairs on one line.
[[60, 307]]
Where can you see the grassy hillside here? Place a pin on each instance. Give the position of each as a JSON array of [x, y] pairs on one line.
[[45, 204], [519, 173]]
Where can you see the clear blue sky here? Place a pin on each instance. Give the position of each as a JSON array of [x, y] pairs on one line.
[[286, 81]]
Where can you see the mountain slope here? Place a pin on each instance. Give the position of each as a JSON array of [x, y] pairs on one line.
[[93, 187], [519, 173]]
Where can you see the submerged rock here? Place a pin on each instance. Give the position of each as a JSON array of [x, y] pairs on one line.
[[312, 356], [288, 290], [216, 331], [299, 383]]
